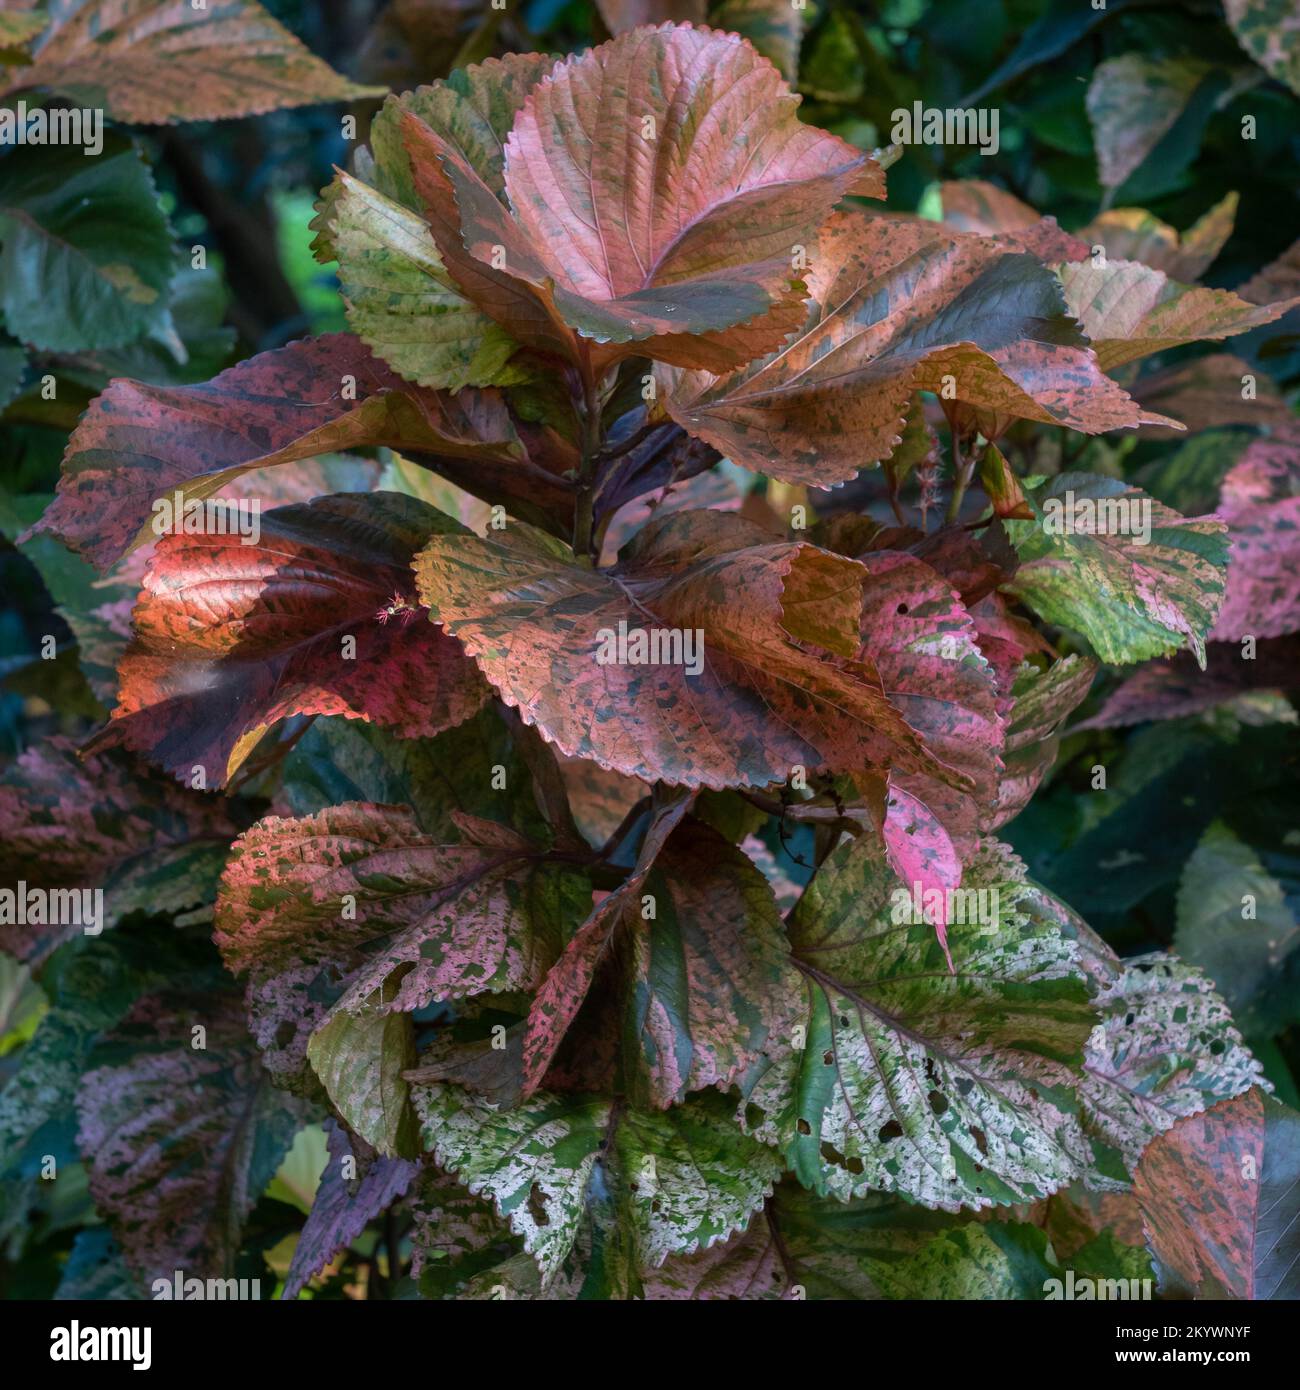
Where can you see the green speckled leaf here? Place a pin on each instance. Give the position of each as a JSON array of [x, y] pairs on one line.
[[401, 300], [953, 1088], [1084, 566], [1269, 30]]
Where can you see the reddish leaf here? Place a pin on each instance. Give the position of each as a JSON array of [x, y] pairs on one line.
[[343, 1207], [622, 15], [449, 921], [1209, 391], [919, 636], [179, 1141], [1261, 504], [98, 823], [557, 1002], [1129, 310], [778, 685], [1280, 279], [139, 442], [921, 853], [899, 306], [600, 798], [688, 254], [151, 62], [1006, 639], [709, 979], [971, 205], [316, 618], [1176, 688], [1220, 1199]]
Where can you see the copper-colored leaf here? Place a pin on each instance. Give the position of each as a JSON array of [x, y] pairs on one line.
[[1220, 1199], [1130, 310], [629, 222], [1280, 279], [315, 618], [971, 205], [153, 62], [900, 306], [714, 691]]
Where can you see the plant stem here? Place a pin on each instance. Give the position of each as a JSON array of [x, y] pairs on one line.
[[963, 470]]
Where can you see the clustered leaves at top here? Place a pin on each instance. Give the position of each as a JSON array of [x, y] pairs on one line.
[[525, 940]]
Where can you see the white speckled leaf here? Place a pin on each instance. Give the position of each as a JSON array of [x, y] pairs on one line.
[[952, 1088], [679, 1181], [1166, 1048]]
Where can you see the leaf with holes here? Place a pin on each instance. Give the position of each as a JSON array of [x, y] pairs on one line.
[[954, 1088], [1166, 1048], [678, 1180]]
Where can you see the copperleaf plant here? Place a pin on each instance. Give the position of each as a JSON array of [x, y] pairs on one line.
[[639, 1059]]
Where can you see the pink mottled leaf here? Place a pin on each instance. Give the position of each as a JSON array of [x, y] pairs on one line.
[[1176, 688], [709, 980], [448, 920], [180, 1141], [561, 995], [1260, 502], [344, 1206], [685, 256], [972, 205], [103, 823]]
